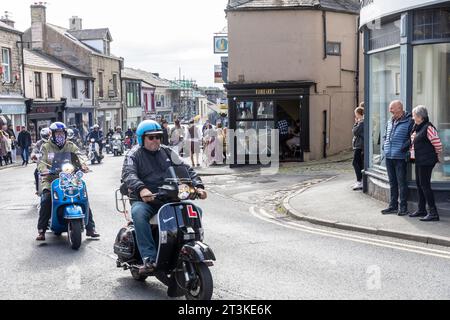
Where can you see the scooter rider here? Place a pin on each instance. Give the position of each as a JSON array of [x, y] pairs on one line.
[[143, 172], [119, 132], [96, 134], [57, 143]]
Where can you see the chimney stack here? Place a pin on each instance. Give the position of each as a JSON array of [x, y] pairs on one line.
[[38, 21], [7, 20], [75, 24]]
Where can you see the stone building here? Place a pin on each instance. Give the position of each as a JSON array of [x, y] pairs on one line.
[[80, 49], [12, 101]]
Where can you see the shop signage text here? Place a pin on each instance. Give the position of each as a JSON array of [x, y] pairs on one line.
[[265, 92]]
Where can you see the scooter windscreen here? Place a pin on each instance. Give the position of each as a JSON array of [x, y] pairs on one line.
[[64, 162]]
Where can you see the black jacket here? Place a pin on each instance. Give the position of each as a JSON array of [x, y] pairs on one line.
[[144, 169], [358, 136], [425, 153], [24, 139]]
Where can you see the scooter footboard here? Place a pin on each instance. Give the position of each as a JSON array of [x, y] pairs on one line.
[[197, 252]]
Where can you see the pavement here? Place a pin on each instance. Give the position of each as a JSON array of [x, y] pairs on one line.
[[333, 203]]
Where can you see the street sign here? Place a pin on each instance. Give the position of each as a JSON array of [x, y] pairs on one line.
[[221, 44]]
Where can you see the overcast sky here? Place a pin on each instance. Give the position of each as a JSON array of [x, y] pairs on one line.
[[154, 35]]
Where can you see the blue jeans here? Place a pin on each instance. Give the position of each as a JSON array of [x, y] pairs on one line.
[[397, 172], [142, 213], [26, 154]]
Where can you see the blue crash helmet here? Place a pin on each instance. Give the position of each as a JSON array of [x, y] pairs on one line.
[[58, 126], [147, 127]]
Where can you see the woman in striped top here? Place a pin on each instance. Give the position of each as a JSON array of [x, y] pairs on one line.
[[426, 146]]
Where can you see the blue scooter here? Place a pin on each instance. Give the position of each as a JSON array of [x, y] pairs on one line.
[[70, 203]]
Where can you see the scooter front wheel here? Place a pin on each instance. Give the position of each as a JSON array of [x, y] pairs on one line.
[[74, 234], [202, 288]]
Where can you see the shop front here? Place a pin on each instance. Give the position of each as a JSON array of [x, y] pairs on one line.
[[255, 110], [13, 111], [42, 115], [407, 58]]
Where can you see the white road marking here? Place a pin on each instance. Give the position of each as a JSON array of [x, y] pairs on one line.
[[263, 215]]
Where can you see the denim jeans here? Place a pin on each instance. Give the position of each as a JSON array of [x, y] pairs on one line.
[[26, 155], [397, 172], [142, 213]]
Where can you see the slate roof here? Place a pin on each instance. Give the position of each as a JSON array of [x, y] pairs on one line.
[[91, 34], [68, 35], [38, 59], [145, 76], [347, 6], [7, 27]]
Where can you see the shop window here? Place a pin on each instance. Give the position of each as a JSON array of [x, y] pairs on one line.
[[432, 24], [244, 110], [385, 36], [265, 110], [384, 88], [431, 88]]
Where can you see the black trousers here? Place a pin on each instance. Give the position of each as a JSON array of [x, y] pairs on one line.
[[46, 213], [423, 181], [358, 164]]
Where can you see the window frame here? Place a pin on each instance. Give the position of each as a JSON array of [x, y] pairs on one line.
[[101, 93], [74, 88], [38, 85], [334, 43], [7, 71], [50, 93]]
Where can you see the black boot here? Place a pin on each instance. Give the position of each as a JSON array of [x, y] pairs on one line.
[[419, 214], [432, 216]]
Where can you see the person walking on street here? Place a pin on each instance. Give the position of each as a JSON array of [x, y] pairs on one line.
[[3, 148], [358, 147], [24, 142], [12, 136], [396, 145], [176, 138], [426, 146], [165, 129]]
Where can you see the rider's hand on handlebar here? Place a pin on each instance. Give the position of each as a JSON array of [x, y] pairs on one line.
[[85, 169], [147, 196], [202, 194]]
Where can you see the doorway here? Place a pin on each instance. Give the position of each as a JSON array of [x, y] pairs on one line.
[[289, 116]]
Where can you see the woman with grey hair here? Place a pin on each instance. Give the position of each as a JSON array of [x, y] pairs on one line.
[[426, 147]]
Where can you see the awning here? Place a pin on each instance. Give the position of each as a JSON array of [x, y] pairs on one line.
[[13, 108]]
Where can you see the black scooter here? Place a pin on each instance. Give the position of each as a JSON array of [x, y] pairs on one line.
[[183, 260]]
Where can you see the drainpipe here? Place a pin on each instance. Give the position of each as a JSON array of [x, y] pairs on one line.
[[324, 20], [358, 44]]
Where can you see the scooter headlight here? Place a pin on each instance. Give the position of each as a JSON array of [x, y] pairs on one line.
[[68, 168], [184, 192]]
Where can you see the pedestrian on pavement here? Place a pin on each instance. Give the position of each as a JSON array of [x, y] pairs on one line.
[[358, 146], [395, 148], [426, 146], [3, 148], [24, 142], [165, 129], [176, 138], [12, 136], [194, 138]]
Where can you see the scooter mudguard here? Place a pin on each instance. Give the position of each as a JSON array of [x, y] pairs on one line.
[[197, 252], [73, 213]]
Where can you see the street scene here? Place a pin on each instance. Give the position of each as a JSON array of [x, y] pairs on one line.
[[278, 150]]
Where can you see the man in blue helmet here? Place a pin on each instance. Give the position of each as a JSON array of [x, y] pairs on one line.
[[143, 173], [57, 143]]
